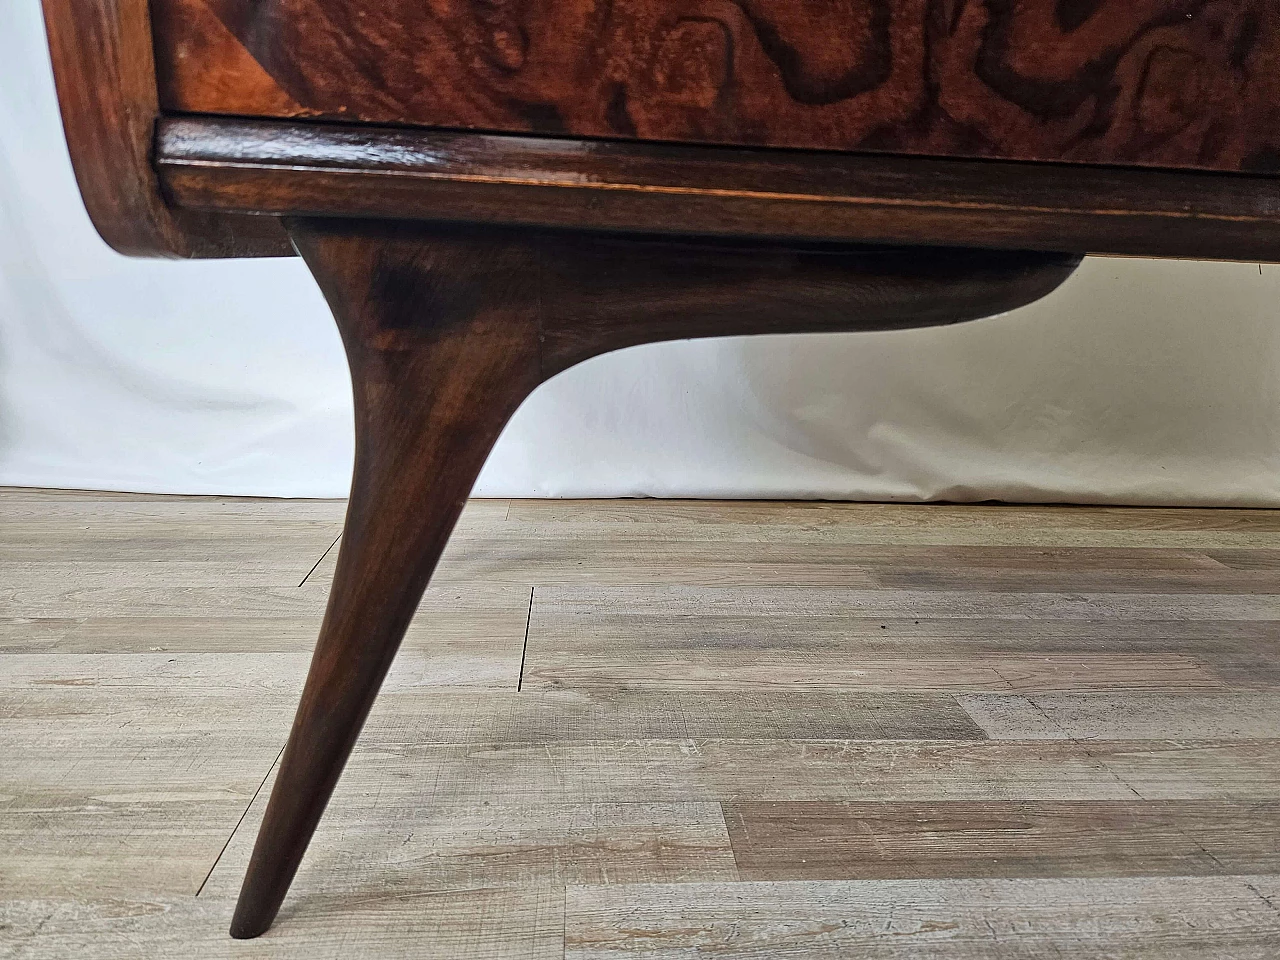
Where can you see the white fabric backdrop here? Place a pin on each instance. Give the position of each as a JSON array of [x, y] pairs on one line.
[[1137, 382]]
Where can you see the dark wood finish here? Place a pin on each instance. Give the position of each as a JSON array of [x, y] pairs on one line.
[[216, 170], [1173, 83], [599, 294], [448, 330], [105, 74], [442, 344], [312, 169]]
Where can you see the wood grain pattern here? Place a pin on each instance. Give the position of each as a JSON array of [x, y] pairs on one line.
[[712, 519], [565, 764], [137, 726], [646, 559], [861, 841], [599, 718], [105, 74], [469, 632], [775, 600], [1244, 716], [92, 797], [612, 769], [641, 559], [361, 171], [790, 645], [881, 671], [671, 649], [1206, 918], [1175, 83], [510, 924], [385, 834]]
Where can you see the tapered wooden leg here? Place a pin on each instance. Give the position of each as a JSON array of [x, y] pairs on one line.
[[448, 329], [442, 350]]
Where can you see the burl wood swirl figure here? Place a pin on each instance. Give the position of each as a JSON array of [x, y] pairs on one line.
[[1194, 83], [490, 191]]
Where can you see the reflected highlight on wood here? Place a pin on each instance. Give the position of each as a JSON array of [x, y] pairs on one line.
[[318, 169]]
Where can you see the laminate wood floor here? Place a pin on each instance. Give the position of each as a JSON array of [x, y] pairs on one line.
[[655, 729]]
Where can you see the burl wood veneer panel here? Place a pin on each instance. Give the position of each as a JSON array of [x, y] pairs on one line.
[[1181, 83]]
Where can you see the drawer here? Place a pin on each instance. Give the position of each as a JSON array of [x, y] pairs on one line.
[[1167, 83]]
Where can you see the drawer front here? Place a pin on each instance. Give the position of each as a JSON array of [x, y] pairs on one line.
[[1169, 83]]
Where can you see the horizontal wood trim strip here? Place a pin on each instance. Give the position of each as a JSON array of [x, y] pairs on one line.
[[282, 168]]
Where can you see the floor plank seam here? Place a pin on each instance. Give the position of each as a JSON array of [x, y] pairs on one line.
[[231, 836], [1084, 749], [321, 560], [733, 850], [1249, 885], [1076, 742], [1223, 871], [525, 648]]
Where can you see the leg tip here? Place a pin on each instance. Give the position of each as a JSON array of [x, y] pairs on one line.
[[246, 927]]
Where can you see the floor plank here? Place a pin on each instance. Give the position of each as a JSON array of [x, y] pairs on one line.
[[977, 672], [542, 717], [126, 778], [658, 646], [775, 600], [1090, 716], [682, 770], [486, 621], [984, 516], [1028, 569], [385, 832], [1128, 838], [370, 923], [1137, 919], [719, 770]]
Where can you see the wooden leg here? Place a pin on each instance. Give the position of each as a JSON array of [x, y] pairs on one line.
[[442, 350], [447, 330]]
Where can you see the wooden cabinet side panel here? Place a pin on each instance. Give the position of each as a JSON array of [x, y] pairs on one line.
[[105, 74], [1170, 83]]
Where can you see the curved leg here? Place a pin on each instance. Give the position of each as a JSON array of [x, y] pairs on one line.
[[442, 350], [447, 330]]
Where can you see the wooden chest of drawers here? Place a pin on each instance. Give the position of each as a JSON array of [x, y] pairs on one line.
[[1103, 125], [489, 191]]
